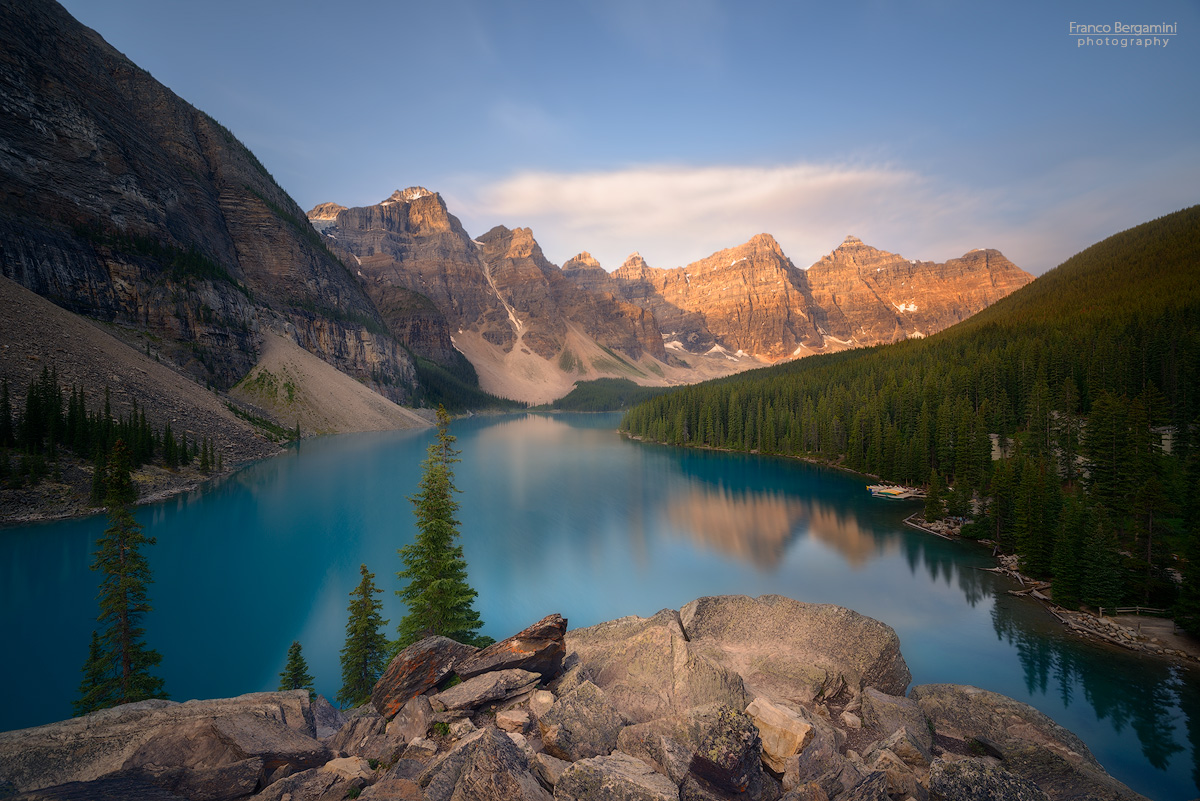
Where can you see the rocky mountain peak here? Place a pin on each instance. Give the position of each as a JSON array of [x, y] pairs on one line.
[[408, 195], [325, 211], [582, 261]]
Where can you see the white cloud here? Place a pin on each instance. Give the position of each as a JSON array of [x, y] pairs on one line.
[[675, 215]]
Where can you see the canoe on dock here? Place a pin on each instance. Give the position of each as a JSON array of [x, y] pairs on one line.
[[894, 492]]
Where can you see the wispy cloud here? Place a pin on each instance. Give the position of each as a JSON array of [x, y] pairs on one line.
[[676, 214]]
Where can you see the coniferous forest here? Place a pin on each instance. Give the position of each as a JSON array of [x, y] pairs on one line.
[[1063, 422]]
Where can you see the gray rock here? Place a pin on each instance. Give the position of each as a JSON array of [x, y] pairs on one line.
[[571, 678], [873, 787], [327, 719], [496, 770], [716, 745], [618, 777], [440, 778], [694, 788], [85, 748], [366, 736], [495, 686], [393, 789], [113, 787], [418, 668], [794, 651], [413, 720], [821, 763], [886, 713], [583, 723], [1034, 746], [216, 783], [310, 785], [908, 748], [548, 769], [539, 649], [650, 670], [540, 702], [979, 780]]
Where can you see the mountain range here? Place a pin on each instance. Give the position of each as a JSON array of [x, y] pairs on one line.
[[531, 329], [121, 202]]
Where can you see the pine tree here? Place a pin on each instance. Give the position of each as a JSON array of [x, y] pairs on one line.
[[933, 498], [366, 652], [124, 659], [436, 591], [97, 685], [7, 436], [295, 675]]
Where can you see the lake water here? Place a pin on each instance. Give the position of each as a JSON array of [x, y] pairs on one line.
[[560, 514]]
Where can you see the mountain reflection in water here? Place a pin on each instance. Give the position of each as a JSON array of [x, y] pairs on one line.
[[758, 526]]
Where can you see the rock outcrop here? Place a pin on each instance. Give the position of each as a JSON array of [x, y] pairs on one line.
[[573, 740], [123, 202]]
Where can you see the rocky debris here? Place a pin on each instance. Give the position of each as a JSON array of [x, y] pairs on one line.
[[649, 669], [366, 735], [418, 668], [327, 719], [887, 713], [581, 724], [413, 719], [980, 780], [784, 732], [616, 777], [539, 649], [495, 769], [495, 686], [262, 745], [796, 651]]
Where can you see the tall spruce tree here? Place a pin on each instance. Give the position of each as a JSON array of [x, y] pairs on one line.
[[123, 664], [436, 591], [365, 654], [295, 675]]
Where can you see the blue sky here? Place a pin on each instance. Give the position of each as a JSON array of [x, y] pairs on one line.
[[677, 128]]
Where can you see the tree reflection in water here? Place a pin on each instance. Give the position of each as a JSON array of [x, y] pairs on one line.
[[1152, 708]]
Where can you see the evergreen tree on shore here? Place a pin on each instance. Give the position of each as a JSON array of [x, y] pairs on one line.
[[118, 669], [365, 654], [295, 675], [436, 591]]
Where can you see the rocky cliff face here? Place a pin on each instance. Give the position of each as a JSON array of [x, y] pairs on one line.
[[752, 300], [500, 298], [123, 202], [868, 296]]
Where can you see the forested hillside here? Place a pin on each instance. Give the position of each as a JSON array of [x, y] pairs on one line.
[[1087, 381]]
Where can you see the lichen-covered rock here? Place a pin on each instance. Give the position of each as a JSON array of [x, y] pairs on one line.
[[650, 670], [873, 787], [415, 670], [729, 754], [481, 689], [539, 649], [794, 651], [820, 763], [618, 777], [909, 749], [979, 780], [583, 723]]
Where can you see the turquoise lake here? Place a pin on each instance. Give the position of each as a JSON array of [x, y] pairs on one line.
[[561, 514]]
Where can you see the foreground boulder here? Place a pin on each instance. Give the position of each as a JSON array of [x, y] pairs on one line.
[[650, 670], [153, 736], [794, 651], [418, 668], [1032, 746], [618, 777], [539, 648]]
